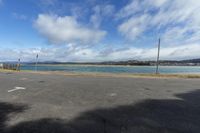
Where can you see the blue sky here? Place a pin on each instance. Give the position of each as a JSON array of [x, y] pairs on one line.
[[92, 30]]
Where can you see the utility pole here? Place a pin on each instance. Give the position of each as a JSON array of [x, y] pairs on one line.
[[157, 63], [18, 65], [36, 62]]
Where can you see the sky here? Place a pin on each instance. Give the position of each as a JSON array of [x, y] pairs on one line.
[[99, 30]]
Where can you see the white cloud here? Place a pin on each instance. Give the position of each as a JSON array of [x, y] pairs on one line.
[[19, 16], [96, 17], [157, 3], [48, 2], [129, 9], [167, 18], [134, 27], [100, 14], [108, 10], [188, 51], [66, 30], [73, 53]]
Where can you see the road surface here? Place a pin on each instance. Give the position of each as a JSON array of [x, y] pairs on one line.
[[50, 103]]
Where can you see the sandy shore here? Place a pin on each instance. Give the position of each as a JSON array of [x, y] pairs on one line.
[[93, 74]]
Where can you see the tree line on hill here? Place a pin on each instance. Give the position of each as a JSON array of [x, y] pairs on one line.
[[190, 62]]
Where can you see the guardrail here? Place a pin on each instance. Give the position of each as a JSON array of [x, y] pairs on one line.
[[7, 66]]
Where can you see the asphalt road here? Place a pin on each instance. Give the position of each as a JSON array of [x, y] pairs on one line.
[[47, 103]]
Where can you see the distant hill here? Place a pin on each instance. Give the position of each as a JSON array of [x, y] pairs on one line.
[[190, 62]]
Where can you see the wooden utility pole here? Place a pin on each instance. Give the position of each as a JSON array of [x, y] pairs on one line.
[[157, 63]]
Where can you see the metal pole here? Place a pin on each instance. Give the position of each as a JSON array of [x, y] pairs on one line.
[[36, 62], [157, 63], [18, 65]]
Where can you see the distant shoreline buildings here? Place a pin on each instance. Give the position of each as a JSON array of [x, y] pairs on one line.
[[192, 62]]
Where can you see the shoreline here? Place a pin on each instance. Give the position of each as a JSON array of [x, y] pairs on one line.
[[95, 65], [115, 75]]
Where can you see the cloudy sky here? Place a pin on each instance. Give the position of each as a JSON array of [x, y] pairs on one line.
[[98, 30]]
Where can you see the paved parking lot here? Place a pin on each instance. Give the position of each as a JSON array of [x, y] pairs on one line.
[[47, 103]]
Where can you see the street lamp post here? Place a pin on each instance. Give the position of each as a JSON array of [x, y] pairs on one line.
[[36, 62], [157, 63], [18, 65]]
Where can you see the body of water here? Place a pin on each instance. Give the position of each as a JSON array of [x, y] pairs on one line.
[[115, 69]]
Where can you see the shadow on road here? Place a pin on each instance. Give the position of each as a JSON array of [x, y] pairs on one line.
[[150, 116], [6, 109]]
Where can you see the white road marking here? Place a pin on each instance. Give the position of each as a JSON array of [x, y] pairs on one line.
[[16, 88], [23, 79], [113, 94]]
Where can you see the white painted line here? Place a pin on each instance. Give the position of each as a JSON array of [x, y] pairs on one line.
[[23, 79], [113, 94], [16, 88]]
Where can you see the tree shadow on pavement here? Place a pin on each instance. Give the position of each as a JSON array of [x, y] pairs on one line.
[[6, 109], [181, 115]]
